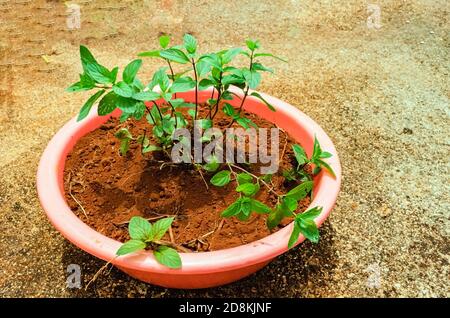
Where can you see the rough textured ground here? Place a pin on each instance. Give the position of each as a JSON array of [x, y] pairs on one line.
[[382, 95]]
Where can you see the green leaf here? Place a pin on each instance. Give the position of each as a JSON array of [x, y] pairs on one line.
[[160, 77], [316, 170], [126, 104], [259, 67], [280, 211], [86, 83], [291, 203], [244, 178], [269, 55], [308, 228], [300, 191], [124, 116], [294, 235], [228, 110], [267, 177], [107, 104], [146, 96], [317, 150], [327, 166], [168, 257], [175, 55], [97, 72], [212, 60], [143, 141], [167, 96], [211, 101], [139, 111], [242, 216], [124, 136], [160, 228], [202, 68], [131, 247], [138, 84], [226, 95], [245, 122], [259, 207], [252, 45], [176, 103], [123, 89], [190, 43], [150, 148], [221, 178], [139, 228], [124, 146], [155, 114], [130, 71], [274, 218], [248, 189], [232, 210], [232, 80], [158, 131], [164, 41], [325, 155], [154, 53], [252, 78], [290, 175], [212, 164], [204, 123], [230, 54], [300, 154], [311, 214], [86, 55], [246, 209], [257, 95], [182, 84], [113, 74], [88, 105]]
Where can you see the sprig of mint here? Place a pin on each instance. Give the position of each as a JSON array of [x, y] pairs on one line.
[[145, 234], [302, 159]]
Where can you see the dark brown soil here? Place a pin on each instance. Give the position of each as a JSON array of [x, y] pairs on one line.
[[112, 189]]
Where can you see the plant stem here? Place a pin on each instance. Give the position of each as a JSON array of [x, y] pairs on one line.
[[245, 93], [219, 96], [196, 88], [243, 100], [173, 245], [171, 114], [143, 138], [234, 175], [200, 172], [159, 111], [172, 73], [73, 197], [211, 107], [104, 87], [150, 113], [256, 177]]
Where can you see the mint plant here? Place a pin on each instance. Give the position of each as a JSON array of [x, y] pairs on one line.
[[298, 172], [146, 235], [158, 103]]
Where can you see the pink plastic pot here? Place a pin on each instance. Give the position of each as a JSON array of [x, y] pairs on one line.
[[199, 270]]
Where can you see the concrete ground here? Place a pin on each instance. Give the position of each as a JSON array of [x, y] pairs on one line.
[[382, 94]]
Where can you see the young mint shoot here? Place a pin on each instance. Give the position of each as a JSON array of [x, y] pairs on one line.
[[317, 159], [147, 235]]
